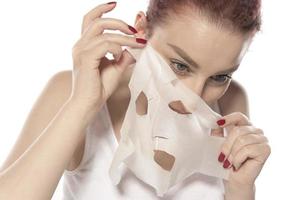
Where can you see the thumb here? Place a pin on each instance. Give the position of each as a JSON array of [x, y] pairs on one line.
[[125, 60], [112, 72]]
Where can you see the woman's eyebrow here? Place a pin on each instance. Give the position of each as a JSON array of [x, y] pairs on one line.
[[228, 71], [188, 59], [184, 55]]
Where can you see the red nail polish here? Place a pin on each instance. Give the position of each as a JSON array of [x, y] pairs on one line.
[[112, 2], [132, 29], [140, 40], [221, 157], [226, 164], [221, 122]]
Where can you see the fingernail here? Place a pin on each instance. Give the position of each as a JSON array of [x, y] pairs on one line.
[[221, 122], [112, 2], [140, 40], [226, 164], [221, 157], [132, 29]]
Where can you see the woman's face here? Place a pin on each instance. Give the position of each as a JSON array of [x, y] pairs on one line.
[[202, 55]]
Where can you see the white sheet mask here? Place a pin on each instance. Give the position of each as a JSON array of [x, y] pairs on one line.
[[161, 144]]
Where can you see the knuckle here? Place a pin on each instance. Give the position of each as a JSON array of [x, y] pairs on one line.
[[260, 131], [236, 113], [242, 115], [75, 51], [247, 150], [225, 148], [100, 23], [241, 141], [268, 149], [75, 47], [266, 139], [86, 17], [230, 157], [236, 130], [115, 20], [105, 36], [234, 159], [106, 44]]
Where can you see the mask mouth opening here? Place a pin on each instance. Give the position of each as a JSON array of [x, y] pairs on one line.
[[164, 159]]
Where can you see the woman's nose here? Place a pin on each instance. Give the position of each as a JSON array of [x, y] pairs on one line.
[[198, 87]]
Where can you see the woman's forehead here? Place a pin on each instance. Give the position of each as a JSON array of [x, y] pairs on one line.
[[204, 42]]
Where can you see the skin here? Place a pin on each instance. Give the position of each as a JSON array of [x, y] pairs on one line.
[[76, 96], [246, 147], [208, 81]]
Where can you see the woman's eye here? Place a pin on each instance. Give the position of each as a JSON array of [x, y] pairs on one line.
[[180, 68], [224, 78]]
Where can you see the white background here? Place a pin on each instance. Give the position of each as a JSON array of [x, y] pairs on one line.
[[36, 38]]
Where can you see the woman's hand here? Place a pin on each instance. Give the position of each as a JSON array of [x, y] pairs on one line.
[[94, 76], [244, 151]]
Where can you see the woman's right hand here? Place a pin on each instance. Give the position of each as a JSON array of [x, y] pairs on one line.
[[94, 76]]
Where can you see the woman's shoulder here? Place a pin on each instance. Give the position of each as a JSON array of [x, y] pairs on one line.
[[235, 99], [63, 78]]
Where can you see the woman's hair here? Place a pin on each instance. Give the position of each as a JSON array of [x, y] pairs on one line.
[[240, 15]]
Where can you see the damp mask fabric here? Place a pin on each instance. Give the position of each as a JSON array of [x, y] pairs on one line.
[[183, 139]]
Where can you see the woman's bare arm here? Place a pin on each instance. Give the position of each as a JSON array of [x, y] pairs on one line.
[[34, 168]]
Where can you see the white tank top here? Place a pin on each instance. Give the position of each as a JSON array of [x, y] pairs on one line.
[[90, 180]]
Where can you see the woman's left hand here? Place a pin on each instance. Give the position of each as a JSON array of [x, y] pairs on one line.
[[244, 151]]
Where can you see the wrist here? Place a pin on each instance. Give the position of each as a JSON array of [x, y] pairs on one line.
[[238, 191], [83, 106], [84, 111]]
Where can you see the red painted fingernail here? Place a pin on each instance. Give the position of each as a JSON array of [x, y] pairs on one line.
[[112, 2], [221, 157], [226, 164], [140, 40], [221, 122], [132, 29]]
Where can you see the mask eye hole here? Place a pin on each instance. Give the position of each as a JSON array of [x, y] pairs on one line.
[[141, 104], [178, 107]]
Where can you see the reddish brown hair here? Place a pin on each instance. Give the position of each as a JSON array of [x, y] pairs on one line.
[[241, 15]]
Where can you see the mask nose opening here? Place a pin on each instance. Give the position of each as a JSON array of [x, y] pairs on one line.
[[178, 107]]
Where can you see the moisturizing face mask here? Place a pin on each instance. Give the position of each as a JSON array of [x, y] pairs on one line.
[[166, 132]]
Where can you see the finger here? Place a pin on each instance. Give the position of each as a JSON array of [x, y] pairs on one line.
[[235, 118], [98, 26], [258, 152], [123, 57], [245, 140], [122, 40], [234, 133], [96, 13], [97, 52]]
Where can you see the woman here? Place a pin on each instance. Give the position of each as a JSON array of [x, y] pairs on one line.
[[74, 123]]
